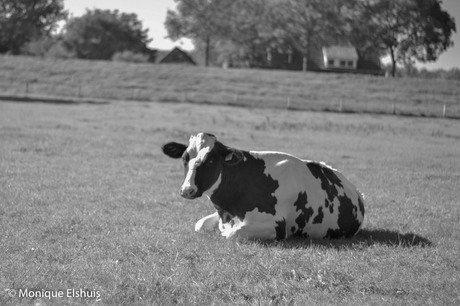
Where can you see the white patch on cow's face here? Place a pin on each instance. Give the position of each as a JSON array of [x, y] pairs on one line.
[[198, 149]]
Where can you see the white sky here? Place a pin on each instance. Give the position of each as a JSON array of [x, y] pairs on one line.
[[152, 13]]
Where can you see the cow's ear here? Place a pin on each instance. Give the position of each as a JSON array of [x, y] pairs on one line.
[[174, 149], [233, 156]]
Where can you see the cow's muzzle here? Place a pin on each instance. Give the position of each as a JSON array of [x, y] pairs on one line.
[[189, 192]]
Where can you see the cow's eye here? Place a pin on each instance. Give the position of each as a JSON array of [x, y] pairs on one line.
[[210, 161], [185, 159]]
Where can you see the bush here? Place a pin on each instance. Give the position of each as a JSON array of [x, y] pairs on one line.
[[38, 46], [59, 50], [130, 57], [47, 46]]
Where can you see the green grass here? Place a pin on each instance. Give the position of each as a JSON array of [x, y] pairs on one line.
[[88, 201], [102, 80]]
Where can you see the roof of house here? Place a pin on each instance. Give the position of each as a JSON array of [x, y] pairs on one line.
[[177, 56], [341, 52]]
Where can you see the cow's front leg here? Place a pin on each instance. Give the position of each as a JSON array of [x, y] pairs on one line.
[[255, 226], [207, 223]]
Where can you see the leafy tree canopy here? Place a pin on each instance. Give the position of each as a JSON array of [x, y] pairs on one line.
[[99, 34], [24, 20], [407, 30], [200, 20]]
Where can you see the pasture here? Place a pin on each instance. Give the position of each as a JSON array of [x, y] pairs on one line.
[[88, 201], [102, 81]]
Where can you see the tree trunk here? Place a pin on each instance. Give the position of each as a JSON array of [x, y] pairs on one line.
[[206, 59], [304, 62], [393, 62]]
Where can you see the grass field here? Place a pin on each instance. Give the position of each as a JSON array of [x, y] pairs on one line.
[[88, 202], [107, 81]]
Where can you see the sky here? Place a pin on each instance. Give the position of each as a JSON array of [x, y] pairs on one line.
[[152, 13]]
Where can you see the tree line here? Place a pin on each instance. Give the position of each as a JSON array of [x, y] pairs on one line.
[[29, 27], [406, 30], [238, 30]]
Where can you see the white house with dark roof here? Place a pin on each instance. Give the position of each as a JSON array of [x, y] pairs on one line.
[[334, 56], [340, 57]]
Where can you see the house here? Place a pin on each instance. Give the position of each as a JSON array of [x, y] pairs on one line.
[[340, 57], [176, 56], [333, 57]]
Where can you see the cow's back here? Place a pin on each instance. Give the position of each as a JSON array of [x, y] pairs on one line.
[[313, 199]]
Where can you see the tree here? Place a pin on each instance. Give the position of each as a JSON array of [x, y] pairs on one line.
[[361, 33], [429, 33], [197, 19], [251, 28], [408, 30], [244, 33], [99, 34], [24, 20], [306, 23]]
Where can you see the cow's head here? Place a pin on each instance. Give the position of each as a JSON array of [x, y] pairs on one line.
[[204, 159]]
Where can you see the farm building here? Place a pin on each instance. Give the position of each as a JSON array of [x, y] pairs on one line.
[[340, 57], [176, 56], [329, 57]]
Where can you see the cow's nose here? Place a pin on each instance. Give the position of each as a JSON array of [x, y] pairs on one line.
[[188, 192]]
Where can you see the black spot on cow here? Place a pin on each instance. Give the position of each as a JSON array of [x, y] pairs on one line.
[[245, 187], [329, 180], [361, 205], [347, 222], [347, 216], [319, 217], [305, 212], [332, 177], [280, 229]]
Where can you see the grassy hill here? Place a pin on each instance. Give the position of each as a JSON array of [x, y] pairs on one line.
[[24, 76]]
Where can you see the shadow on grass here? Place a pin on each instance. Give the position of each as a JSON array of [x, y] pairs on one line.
[[365, 238], [379, 236]]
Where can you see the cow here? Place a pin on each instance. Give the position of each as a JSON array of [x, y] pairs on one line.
[[267, 195]]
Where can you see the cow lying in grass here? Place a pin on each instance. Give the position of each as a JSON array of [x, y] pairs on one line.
[[267, 195]]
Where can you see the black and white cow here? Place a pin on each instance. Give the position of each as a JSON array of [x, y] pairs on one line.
[[267, 195]]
